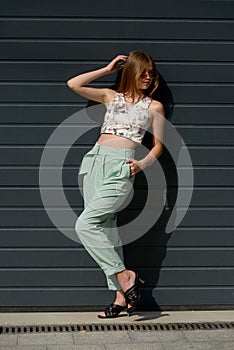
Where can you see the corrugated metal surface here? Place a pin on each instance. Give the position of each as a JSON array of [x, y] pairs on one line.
[[42, 45]]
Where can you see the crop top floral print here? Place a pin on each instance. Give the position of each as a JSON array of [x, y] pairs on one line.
[[128, 122]]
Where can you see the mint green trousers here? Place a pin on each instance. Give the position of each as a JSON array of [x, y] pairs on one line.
[[106, 184]]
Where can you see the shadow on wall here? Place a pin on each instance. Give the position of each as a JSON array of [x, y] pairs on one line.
[[147, 253]]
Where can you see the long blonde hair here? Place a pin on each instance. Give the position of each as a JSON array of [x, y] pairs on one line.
[[133, 68]]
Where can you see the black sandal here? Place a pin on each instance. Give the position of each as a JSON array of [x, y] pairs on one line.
[[132, 295], [113, 310]]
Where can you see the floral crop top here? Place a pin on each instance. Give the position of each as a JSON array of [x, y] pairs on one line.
[[130, 122]]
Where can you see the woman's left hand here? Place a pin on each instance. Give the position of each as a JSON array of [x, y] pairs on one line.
[[134, 166]]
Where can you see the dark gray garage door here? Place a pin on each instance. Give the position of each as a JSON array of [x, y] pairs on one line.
[[45, 43]]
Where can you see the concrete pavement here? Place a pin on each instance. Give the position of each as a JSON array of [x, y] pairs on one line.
[[39, 318], [116, 340]]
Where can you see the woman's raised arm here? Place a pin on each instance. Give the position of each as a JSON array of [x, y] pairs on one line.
[[79, 83]]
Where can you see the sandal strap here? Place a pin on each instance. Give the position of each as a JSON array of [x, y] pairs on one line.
[[113, 309], [132, 295]]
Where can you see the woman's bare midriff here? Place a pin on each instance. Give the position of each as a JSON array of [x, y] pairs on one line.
[[115, 141]]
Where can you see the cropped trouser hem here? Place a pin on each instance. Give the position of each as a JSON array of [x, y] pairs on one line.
[[112, 281], [110, 273]]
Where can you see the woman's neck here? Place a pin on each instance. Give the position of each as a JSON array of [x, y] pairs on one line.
[[137, 98]]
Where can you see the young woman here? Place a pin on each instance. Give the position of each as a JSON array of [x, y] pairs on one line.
[[110, 165]]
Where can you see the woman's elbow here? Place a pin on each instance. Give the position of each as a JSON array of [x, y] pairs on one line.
[[70, 84]]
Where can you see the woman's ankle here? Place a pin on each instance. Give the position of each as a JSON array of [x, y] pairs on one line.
[[125, 279]]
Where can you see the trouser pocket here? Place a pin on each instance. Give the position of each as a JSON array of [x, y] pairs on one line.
[[86, 164], [116, 168]]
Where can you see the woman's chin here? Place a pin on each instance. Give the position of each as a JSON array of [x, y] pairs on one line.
[[145, 86]]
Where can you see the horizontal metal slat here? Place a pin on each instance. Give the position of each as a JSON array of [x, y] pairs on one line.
[[201, 197], [39, 135], [52, 93], [43, 114], [103, 50], [130, 9], [150, 257], [204, 176], [60, 71], [180, 237], [36, 217], [80, 277], [115, 29], [31, 156], [190, 298]]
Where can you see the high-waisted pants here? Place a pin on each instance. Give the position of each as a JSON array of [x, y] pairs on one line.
[[106, 186]]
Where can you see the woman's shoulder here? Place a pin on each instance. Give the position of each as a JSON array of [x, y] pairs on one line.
[[156, 106]]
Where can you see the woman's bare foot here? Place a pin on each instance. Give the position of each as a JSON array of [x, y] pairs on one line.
[[119, 300], [126, 279]]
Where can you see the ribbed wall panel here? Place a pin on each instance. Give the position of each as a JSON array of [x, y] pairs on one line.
[[42, 45]]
